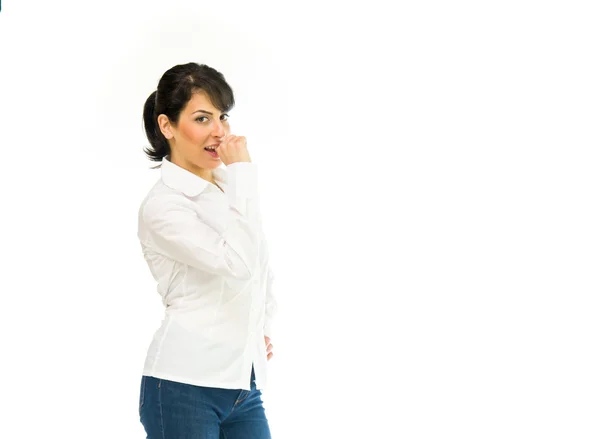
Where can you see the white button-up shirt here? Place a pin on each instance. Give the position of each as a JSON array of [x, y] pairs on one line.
[[207, 252]]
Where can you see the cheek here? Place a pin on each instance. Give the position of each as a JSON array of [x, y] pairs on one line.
[[194, 134]]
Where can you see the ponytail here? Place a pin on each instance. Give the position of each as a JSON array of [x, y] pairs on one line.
[[159, 146]]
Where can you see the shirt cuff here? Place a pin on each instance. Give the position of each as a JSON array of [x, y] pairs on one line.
[[268, 329], [242, 180]]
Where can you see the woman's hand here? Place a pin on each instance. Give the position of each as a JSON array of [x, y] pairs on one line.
[[233, 149], [269, 347]]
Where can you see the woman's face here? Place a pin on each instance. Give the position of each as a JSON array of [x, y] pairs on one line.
[[200, 125]]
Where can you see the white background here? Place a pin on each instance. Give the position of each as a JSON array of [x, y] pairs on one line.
[[429, 186]]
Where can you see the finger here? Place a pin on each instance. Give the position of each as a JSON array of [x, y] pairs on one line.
[[239, 142], [225, 144], [226, 139]]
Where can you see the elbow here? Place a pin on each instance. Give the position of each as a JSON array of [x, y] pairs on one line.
[[243, 270], [242, 261]]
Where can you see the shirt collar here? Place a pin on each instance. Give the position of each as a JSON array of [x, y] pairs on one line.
[[186, 182]]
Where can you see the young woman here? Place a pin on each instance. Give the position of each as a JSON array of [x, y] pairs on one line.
[[200, 232]]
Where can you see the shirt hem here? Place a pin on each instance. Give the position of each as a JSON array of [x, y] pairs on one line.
[[202, 383]]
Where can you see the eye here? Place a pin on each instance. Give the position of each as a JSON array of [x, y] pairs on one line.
[[224, 116], [201, 117]]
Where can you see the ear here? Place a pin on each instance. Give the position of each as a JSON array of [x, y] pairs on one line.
[[165, 126]]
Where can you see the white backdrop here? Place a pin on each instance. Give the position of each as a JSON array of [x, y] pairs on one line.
[[429, 187]]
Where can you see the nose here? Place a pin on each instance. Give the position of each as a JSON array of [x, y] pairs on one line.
[[218, 129]]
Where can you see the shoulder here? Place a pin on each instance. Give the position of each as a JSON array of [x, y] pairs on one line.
[[163, 200]]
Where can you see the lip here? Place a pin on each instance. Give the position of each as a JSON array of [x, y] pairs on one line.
[[213, 154], [215, 146]]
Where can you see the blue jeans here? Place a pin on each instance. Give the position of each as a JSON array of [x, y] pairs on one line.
[[173, 410]]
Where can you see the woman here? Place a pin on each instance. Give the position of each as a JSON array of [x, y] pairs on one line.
[[200, 231]]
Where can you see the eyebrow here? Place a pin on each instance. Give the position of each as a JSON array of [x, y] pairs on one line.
[[203, 111]]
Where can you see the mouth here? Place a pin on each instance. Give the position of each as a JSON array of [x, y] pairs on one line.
[[212, 150]]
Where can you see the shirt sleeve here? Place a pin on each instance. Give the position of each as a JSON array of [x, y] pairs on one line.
[[180, 234], [270, 304]]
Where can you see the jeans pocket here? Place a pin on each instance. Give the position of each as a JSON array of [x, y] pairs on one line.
[[142, 392]]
